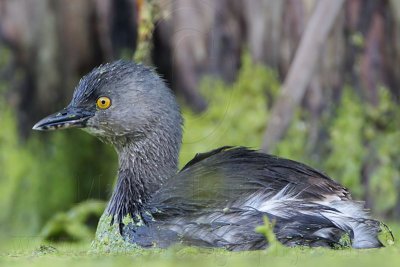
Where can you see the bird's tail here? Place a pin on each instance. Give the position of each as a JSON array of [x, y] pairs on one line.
[[329, 223]]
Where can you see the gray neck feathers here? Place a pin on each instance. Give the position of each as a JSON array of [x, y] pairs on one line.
[[145, 163]]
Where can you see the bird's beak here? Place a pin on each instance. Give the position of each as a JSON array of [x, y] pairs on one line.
[[70, 117]]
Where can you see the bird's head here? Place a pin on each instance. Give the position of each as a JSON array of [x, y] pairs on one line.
[[119, 101]]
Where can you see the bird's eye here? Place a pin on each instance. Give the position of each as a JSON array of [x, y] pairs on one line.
[[103, 102]]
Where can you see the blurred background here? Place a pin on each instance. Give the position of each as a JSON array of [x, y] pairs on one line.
[[312, 80]]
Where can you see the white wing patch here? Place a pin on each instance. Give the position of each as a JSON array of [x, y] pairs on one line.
[[346, 214]]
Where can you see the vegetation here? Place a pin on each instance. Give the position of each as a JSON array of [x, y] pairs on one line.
[[41, 177], [363, 137], [23, 253], [54, 187], [358, 134], [61, 163], [237, 113]]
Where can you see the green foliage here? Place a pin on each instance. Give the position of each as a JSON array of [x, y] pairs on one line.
[[365, 137], [293, 145], [237, 113], [50, 172], [346, 143], [39, 177], [361, 152], [382, 134], [267, 230], [360, 135], [46, 173], [78, 224]]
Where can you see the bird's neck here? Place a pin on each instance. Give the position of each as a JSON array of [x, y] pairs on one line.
[[144, 166]]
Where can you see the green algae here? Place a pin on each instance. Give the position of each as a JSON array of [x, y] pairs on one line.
[[386, 235], [108, 238]]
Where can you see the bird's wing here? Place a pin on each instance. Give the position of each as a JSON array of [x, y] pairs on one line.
[[228, 176]]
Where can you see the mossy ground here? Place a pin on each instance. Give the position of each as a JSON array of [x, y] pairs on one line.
[[30, 252]]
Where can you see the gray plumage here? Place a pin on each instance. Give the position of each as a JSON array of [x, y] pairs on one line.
[[219, 197]]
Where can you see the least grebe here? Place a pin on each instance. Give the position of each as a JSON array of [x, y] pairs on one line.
[[219, 197]]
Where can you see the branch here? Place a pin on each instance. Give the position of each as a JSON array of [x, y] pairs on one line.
[[301, 70]]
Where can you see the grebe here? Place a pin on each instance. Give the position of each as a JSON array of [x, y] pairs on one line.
[[219, 197]]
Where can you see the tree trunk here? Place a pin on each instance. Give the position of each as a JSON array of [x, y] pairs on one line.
[[301, 70]]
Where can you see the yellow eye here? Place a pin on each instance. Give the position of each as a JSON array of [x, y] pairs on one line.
[[103, 102]]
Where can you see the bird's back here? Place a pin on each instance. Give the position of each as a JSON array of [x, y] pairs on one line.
[[220, 197]]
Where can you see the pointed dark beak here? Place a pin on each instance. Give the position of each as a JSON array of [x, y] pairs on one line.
[[70, 117]]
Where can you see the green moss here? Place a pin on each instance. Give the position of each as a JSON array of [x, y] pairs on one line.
[[108, 239], [44, 250], [344, 242], [386, 235], [76, 255]]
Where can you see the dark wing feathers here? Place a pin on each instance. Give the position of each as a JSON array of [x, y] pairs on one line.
[[220, 197], [216, 178]]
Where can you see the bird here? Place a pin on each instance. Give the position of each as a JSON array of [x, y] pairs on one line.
[[219, 197]]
